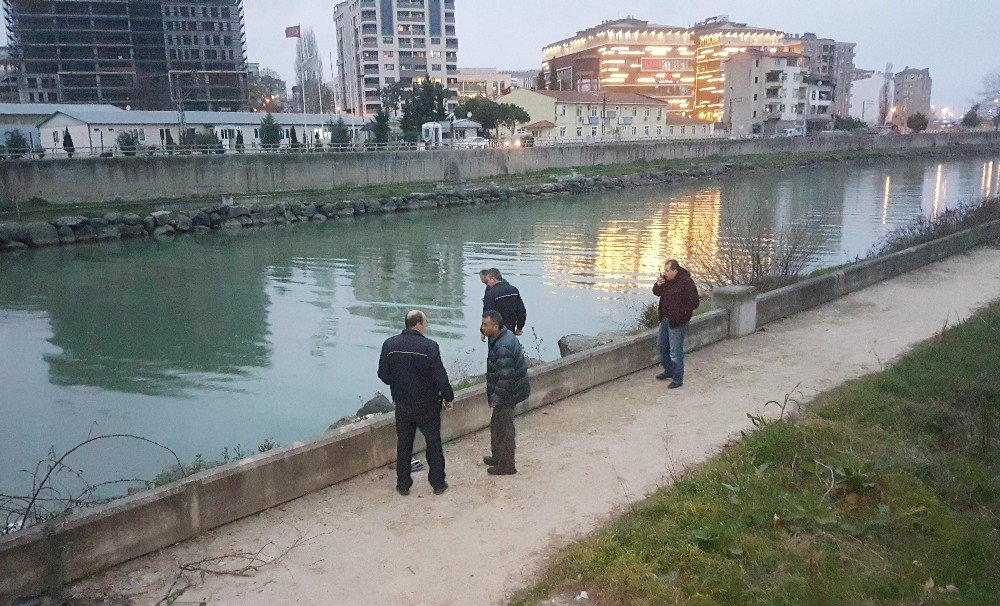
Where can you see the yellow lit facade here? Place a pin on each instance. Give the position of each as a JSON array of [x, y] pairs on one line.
[[681, 66]]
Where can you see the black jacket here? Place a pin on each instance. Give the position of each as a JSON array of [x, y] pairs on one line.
[[505, 299], [506, 371], [411, 366], [678, 298]]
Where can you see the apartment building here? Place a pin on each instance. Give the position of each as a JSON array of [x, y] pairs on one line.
[[681, 66], [830, 65], [625, 56], [482, 82], [146, 54], [912, 94], [719, 39], [602, 116], [381, 42], [523, 78], [766, 93]]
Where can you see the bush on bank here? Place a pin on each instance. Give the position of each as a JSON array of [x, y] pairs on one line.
[[886, 492]]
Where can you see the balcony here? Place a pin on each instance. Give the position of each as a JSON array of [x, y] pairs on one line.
[[773, 77]]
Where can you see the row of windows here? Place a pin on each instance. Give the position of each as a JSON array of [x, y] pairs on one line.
[[206, 26], [646, 131], [594, 111], [185, 11], [196, 40], [194, 53]]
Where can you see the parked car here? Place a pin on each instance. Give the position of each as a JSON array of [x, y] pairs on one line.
[[472, 143], [520, 141]]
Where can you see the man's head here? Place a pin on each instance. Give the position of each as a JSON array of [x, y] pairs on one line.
[[670, 269], [492, 323], [490, 276], [416, 320]]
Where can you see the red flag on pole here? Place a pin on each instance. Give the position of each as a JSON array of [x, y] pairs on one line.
[[294, 31]]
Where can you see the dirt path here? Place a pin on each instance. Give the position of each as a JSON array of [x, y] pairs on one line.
[[580, 461]]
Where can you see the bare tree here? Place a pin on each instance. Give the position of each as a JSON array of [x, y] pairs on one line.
[[752, 252], [309, 74]]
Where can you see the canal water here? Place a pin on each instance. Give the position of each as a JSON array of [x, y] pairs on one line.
[[207, 342]]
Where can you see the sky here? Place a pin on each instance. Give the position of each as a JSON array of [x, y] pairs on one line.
[[956, 39]]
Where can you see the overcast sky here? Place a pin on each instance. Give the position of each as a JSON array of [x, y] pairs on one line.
[[958, 40]]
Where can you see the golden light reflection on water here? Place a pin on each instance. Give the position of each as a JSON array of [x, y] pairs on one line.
[[628, 251], [938, 190], [989, 184], [885, 200]]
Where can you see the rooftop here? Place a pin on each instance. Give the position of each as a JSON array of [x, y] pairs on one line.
[[103, 116], [572, 96]]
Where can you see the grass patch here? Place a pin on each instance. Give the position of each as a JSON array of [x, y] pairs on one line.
[[886, 492]]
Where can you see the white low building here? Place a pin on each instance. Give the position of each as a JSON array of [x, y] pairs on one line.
[[95, 132]]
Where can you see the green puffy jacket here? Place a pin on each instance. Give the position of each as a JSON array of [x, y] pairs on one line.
[[506, 371]]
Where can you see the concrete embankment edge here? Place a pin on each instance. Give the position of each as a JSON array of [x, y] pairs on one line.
[[46, 556], [136, 179]]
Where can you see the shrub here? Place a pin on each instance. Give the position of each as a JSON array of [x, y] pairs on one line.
[[16, 144], [128, 142]]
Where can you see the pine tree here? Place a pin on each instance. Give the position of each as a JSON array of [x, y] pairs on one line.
[[68, 146]]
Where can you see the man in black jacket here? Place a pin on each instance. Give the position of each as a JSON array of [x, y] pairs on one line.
[[505, 299], [506, 386], [411, 366]]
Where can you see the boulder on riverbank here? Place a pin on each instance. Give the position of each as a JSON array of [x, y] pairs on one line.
[[572, 344], [376, 406]]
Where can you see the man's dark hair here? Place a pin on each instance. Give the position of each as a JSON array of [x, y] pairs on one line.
[[414, 317], [484, 272], [673, 264], [494, 317], [494, 273]]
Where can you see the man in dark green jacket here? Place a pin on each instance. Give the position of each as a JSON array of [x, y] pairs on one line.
[[506, 386]]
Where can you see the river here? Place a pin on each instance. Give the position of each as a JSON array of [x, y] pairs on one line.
[[210, 341]]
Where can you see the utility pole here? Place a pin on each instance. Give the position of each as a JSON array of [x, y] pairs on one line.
[[604, 113]]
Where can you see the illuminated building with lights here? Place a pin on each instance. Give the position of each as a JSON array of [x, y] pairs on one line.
[[681, 66], [625, 56], [718, 40]]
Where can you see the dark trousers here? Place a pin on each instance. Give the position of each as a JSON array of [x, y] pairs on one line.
[[502, 437], [406, 430]]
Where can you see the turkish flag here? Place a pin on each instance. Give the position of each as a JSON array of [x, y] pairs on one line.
[[294, 31], [506, 91]]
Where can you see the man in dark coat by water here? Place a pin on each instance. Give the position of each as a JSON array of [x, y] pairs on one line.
[[678, 300], [506, 386], [505, 299], [411, 366]]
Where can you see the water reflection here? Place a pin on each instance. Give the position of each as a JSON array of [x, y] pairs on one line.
[[233, 337]]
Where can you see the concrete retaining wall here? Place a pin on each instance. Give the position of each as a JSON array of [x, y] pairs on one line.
[[46, 556], [815, 291], [100, 180]]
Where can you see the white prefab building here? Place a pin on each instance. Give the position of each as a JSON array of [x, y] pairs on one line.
[[95, 132]]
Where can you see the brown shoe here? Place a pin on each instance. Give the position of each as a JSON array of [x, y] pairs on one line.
[[496, 471]]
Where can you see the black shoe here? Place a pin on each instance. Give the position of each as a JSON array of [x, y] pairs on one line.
[[674, 385], [441, 489], [403, 491], [489, 460], [663, 376], [496, 471]]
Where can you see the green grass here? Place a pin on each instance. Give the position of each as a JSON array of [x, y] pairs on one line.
[[885, 484]]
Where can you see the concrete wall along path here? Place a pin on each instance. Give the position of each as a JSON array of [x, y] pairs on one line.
[[100, 180]]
